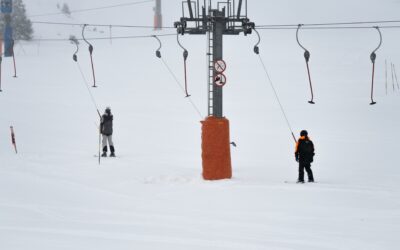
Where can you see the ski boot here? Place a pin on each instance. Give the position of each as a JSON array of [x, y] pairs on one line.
[[104, 152], [112, 151]]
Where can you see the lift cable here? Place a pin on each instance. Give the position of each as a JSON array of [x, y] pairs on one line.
[[93, 9], [373, 58], [329, 24], [336, 25], [96, 38], [100, 25], [185, 56], [307, 59], [91, 54], [158, 54], [330, 28], [257, 51]]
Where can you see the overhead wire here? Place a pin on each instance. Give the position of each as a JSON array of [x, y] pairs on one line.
[[97, 38], [315, 26], [330, 28], [329, 23], [320, 26], [92, 9], [100, 25]]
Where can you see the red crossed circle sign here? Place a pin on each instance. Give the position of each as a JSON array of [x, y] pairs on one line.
[[220, 80], [220, 66]]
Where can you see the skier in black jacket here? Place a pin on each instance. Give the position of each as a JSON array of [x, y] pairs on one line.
[[304, 156], [106, 128]]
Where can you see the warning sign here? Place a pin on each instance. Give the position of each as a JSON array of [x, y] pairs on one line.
[[220, 80], [220, 66]]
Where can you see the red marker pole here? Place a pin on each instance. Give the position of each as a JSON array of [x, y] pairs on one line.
[[13, 139]]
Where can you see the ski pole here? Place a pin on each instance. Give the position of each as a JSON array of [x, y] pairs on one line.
[[98, 112], [13, 139], [99, 144]]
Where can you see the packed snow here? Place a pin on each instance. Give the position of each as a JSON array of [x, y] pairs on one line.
[[55, 195]]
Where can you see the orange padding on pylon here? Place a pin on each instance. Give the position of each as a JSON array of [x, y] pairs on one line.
[[216, 152]]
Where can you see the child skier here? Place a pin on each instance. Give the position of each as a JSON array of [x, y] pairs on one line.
[[304, 156], [106, 129]]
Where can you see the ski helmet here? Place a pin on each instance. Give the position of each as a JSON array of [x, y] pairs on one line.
[[108, 110], [304, 133]]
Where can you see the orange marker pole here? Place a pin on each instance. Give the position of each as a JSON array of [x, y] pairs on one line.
[[13, 139]]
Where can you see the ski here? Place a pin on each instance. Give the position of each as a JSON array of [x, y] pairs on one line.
[[96, 156], [295, 182]]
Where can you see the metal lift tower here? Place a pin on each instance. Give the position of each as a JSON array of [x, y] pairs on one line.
[[6, 9], [216, 19]]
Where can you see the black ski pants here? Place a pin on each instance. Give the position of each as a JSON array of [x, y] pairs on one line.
[[307, 167]]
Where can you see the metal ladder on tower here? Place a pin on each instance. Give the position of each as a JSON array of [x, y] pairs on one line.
[[210, 55]]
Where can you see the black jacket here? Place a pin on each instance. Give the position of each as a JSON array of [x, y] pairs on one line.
[[106, 125], [304, 150]]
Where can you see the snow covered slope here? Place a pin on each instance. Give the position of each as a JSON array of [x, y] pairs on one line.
[[54, 195]]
